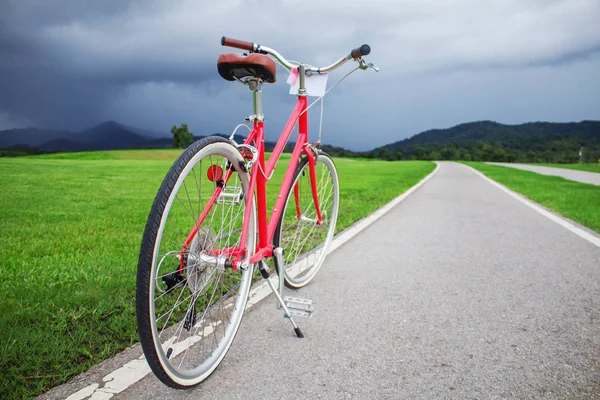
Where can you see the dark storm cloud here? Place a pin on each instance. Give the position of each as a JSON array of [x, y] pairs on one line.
[[73, 63], [48, 80], [34, 86]]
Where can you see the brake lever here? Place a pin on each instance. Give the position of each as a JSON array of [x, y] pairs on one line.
[[364, 66], [375, 67]]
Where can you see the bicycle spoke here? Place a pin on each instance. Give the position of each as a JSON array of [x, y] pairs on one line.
[[188, 293], [191, 331], [305, 242]]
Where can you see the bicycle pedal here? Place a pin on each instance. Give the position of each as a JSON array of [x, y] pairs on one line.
[[299, 307], [231, 195]]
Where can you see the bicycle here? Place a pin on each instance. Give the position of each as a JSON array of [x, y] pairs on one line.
[[199, 251]]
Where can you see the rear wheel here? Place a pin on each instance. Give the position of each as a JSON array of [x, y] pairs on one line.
[[188, 313], [305, 243]]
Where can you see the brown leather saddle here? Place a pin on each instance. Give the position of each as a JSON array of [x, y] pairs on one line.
[[233, 65]]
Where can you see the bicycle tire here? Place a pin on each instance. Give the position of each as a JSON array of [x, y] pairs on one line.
[[198, 275], [298, 269]]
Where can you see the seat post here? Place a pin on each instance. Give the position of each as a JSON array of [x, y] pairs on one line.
[[255, 85]]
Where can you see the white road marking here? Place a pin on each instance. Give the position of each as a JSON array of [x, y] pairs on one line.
[[127, 375], [83, 393], [553, 217], [136, 369], [101, 395]]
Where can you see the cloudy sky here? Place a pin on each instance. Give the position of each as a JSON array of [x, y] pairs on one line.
[[74, 63]]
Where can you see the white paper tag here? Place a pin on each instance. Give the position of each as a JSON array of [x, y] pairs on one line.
[[316, 85]]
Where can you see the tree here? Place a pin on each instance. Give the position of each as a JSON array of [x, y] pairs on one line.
[[384, 154], [182, 138]]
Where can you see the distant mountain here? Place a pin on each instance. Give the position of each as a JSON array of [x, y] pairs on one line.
[[159, 143], [493, 141], [529, 136], [148, 133], [109, 135], [32, 137], [64, 145]]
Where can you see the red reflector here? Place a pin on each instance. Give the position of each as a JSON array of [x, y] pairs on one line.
[[214, 173]]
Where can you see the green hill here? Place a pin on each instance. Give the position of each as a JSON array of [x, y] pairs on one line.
[[492, 141]]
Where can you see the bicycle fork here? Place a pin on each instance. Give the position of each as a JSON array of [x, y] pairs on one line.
[[263, 268]]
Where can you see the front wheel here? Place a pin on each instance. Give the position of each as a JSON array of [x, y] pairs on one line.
[[306, 243], [189, 306]]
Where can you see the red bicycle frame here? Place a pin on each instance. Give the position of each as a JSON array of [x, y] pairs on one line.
[[258, 182], [258, 176]]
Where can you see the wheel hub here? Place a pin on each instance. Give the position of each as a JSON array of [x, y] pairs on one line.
[[199, 272]]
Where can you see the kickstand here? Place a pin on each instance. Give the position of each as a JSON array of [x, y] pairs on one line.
[[265, 274], [278, 253]]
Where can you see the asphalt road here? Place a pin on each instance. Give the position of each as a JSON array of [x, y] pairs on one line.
[[571, 174], [460, 291]]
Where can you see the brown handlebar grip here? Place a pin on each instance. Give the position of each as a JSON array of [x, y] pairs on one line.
[[238, 44], [360, 51]]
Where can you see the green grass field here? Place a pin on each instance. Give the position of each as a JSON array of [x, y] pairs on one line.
[[155, 154], [70, 231], [577, 201], [580, 167]]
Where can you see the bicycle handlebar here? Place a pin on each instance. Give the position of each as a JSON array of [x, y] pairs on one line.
[[238, 44], [355, 54], [363, 50]]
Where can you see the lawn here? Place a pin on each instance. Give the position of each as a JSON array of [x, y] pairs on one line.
[[154, 154], [70, 231], [580, 167], [577, 201]]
